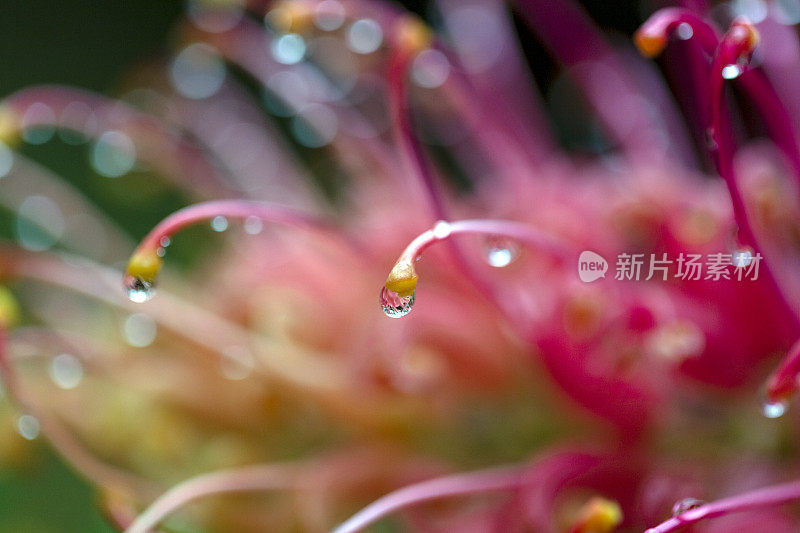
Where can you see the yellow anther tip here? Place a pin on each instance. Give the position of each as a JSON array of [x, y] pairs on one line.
[[402, 279], [9, 309], [413, 35], [649, 45], [144, 265], [10, 126], [599, 515]]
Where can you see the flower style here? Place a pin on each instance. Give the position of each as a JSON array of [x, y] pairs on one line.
[[263, 384]]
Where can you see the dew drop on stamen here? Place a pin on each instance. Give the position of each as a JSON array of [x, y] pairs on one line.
[[288, 49], [394, 305], [165, 241], [774, 409], [219, 223], [500, 252], [732, 71], [28, 427], [742, 258], [684, 31], [137, 289], [686, 504]]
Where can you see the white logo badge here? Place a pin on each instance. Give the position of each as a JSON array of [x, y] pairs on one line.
[[591, 266]]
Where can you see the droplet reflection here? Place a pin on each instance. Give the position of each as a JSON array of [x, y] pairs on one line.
[[138, 290], [394, 305], [774, 409], [686, 504]]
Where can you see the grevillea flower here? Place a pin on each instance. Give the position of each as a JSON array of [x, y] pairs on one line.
[[561, 362]]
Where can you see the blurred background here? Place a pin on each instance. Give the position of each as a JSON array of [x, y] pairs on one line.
[[96, 45]]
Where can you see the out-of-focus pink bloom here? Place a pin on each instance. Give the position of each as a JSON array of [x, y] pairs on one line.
[[516, 395]]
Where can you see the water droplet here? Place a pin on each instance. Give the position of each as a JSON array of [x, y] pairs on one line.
[[113, 155], [288, 49], [253, 225], [165, 241], [732, 71], [66, 371], [441, 230], [364, 36], [28, 426], [138, 290], [774, 409], [500, 252], [40, 224], [684, 31], [198, 71], [430, 69], [219, 223], [329, 15], [394, 305], [139, 330], [686, 504], [742, 258]]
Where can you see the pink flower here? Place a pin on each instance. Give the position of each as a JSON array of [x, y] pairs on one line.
[[526, 396]]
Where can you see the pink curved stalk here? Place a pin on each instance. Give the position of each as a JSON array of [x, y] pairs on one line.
[[244, 479], [516, 231], [754, 83], [664, 22], [167, 152], [764, 497], [500, 479], [238, 210], [736, 46]]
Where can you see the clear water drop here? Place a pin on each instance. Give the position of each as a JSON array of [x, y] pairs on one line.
[[742, 258], [732, 71], [138, 290], [364, 36], [165, 241], [500, 253], [28, 427], [686, 504], [394, 305], [66, 371], [774, 409], [289, 49], [219, 223], [684, 31]]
